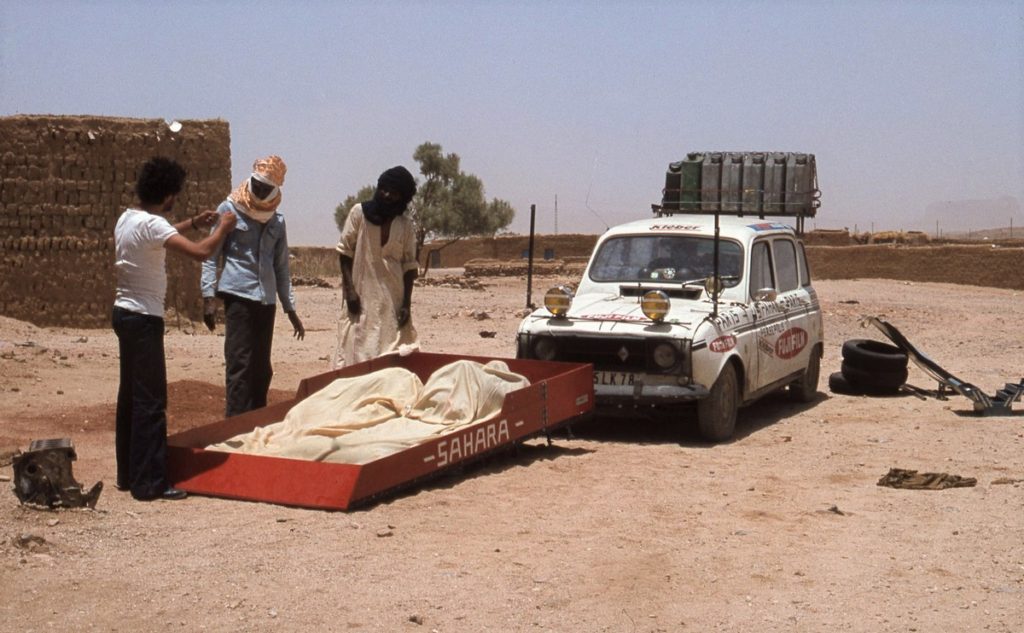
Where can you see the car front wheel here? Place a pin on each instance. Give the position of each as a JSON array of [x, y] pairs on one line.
[[716, 414]]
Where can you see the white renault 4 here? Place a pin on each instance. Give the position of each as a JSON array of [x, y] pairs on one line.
[[660, 330]]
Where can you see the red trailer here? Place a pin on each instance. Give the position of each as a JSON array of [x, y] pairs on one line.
[[558, 394]]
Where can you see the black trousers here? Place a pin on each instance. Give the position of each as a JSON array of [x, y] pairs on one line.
[[140, 432], [249, 333]]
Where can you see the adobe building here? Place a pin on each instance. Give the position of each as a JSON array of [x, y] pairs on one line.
[[64, 181]]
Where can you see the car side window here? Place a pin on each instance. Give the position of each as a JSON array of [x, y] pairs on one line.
[[805, 272], [760, 268], [786, 265]]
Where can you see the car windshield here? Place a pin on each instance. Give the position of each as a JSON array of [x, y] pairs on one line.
[[669, 258]]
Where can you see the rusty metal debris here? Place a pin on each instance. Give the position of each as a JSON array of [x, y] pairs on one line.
[[1001, 403], [42, 476]]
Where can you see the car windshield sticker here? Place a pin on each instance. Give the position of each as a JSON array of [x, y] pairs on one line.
[[767, 226]]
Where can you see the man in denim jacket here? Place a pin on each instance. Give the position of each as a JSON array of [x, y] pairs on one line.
[[255, 272]]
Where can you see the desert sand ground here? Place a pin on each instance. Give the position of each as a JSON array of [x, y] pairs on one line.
[[629, 525]]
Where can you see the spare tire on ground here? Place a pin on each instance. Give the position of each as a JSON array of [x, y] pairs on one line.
[[870, 368], [837, 383], [877, 379], [871, 355]]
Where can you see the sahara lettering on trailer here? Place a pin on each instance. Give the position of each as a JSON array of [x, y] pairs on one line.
[[471, 442], [722, 344], [791, 342]]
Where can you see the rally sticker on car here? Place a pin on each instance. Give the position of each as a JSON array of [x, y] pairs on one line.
[[722, 344], [791, 342], [615, 317], [767, 226], [674, 227]]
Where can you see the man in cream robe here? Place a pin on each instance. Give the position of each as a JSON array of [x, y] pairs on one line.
[[377, 254]]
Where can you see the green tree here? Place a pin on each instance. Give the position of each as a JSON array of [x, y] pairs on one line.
[[449, 203], [341, 211]]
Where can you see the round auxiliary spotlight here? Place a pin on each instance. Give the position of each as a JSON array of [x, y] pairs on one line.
[[655, 304], [713, 285], [557, 300]]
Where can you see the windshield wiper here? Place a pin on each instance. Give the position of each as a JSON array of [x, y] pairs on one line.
[[702, 280]]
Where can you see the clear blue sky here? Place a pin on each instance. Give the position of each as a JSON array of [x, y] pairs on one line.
[[906, 105]]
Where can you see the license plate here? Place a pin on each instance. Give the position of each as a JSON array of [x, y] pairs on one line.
[[614, 378]]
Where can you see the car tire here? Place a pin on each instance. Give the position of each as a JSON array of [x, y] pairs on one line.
[[838, 384], [893, 379], [870, 355], [806, 388], [716, 414]]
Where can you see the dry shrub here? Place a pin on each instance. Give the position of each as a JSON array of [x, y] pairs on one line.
[[898, 237]]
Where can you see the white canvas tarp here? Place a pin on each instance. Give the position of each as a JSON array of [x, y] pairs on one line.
[[359, 419]]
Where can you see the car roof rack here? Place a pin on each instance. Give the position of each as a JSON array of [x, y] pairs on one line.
[[760, 184]]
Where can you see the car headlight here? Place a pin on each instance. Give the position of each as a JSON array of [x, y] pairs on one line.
[[664, 355], [557, 300], [655, 304], [544, 348]]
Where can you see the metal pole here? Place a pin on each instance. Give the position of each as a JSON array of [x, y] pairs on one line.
[[529, 262], [714, 275], [556, 214]]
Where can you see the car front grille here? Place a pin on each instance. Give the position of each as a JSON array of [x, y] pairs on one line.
[[609, 354]]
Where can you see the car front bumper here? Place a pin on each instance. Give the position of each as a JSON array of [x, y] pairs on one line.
[[641, 393]]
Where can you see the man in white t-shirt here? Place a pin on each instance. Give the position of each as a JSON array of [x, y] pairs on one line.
[[141, 238]]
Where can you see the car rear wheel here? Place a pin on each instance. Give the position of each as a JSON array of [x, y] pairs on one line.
[[806, 388], [716, 414]]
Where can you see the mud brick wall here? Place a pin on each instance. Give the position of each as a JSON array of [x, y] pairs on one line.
[[64, 181], [971, 265], [508, 247]]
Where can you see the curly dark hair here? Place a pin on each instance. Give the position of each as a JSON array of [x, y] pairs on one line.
[[160, 177]]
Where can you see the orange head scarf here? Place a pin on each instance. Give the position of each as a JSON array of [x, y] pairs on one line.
[[270, 170]]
